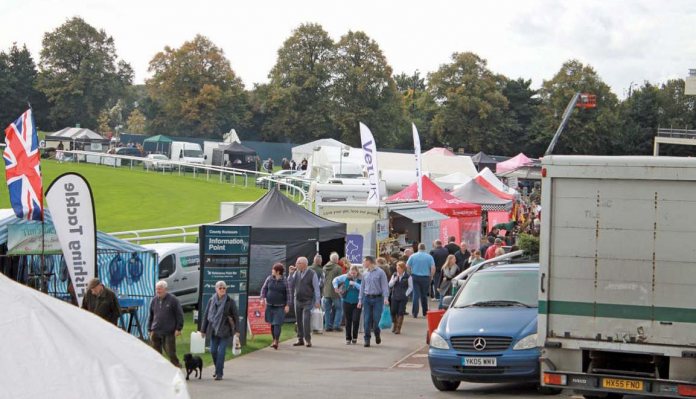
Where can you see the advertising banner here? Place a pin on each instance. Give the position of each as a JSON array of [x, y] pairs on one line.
[[417, 151], [257, 318], [69, 198], [370, 157], [26, 239]]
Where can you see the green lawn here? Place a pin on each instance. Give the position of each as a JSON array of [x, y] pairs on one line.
[[129, 199], [183, 343]]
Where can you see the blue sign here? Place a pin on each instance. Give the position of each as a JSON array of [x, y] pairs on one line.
[[226, 240], [354, 248]]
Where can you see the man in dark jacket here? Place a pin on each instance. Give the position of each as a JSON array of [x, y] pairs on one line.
[[102, 302], [439, 254], [331, 300], [452, 246], [463, 257], [304, 289], [165, 322]]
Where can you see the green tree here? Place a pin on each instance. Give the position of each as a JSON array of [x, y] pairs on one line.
[[17, 80], [591, 131], [80, 74], [363, 90], [523, 106], [195, 91], [639, 115], [136, 122], [473, 111], [420, 108], [298, 103]]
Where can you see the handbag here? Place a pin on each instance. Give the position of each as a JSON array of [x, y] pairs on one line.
[[236, 346], [317, 320], [385, 321]]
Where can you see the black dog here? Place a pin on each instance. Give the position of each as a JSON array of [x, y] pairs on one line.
[[193, 363]]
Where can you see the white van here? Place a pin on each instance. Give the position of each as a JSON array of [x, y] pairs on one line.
[[179, 266], [183, 151]]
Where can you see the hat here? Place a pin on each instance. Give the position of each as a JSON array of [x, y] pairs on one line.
[[93, 283]]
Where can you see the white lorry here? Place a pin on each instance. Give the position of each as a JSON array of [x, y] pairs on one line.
[[617, 302], [183, 151]]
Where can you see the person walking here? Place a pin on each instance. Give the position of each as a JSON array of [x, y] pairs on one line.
[[331, 300], [348, 286], [220, 323], [304, 287], [422, 267], [475, 258], [165, 322], [374, 292], [439, 254], [452, 246], [102, 302], [463, 256], [401, 285], [449, 271], [275, 294]]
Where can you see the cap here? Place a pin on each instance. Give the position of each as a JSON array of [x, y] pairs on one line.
[[93, 283]]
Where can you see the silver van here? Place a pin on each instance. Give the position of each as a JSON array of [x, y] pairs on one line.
[[179, 266]]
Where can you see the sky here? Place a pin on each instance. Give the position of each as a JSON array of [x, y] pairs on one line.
[[626, 42]]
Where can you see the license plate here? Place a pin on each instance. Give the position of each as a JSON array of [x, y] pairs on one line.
[[627, 385], [480, 362]]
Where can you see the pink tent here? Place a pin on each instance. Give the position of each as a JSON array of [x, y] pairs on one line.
[[439, 151], [512, 163]]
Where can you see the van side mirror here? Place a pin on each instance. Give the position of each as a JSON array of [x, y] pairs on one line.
[[447, 301], [205, 157], [181, 154], [164, 274]]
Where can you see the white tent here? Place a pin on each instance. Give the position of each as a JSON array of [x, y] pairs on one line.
[[490, 181], [76, 133], [305, 151], [231, 137], [448, 182], [52, 348]]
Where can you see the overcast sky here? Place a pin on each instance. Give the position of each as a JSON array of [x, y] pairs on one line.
[[625, 41]]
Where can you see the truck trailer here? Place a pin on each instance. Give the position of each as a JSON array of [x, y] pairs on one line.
[[617, 290]]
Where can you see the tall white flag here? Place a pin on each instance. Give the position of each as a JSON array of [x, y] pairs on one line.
[[70, 202], [416, 147], [370, 157]]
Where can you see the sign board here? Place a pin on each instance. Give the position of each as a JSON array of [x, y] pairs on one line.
[[26, 239], [257, 317], [225, 257]]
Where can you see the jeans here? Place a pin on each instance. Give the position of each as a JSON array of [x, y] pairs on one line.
[[303, 315], [421, 286], [372, 311], [276, 330], [352, 320], [218, 346], [435, 285], [398, 307], [168, 341], [333, 313]]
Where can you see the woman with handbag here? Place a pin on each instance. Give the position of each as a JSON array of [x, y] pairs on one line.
[[220, 323], [275, 294], [401, 285], [449, 271], [348, 286]]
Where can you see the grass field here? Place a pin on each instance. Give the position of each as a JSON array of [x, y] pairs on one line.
[[183, 343], [128, 199]]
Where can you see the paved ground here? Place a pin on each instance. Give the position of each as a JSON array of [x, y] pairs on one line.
[[395, 369]]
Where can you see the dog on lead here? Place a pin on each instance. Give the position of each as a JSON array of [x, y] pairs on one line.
[[193, 363]]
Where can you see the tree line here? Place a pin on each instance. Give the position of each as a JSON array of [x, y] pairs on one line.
[[321, 88]]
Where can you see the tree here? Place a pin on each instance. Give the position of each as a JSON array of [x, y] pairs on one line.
[[17, 79], [419, 107], [298, 101], [592, 131], [363, 90], [523, 106], [136, 122], [639, 115], [79, 73], [195, 91], [473, 111]]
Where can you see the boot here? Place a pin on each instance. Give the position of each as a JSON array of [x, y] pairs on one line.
[[394, 317], [399, 322]]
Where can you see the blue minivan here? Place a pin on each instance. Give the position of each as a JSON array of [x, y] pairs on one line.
[[489, 332]]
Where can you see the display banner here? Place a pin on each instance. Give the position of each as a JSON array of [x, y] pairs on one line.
[[257, 317], [419, 169], [69, 198], [370, 158], [32, 239]]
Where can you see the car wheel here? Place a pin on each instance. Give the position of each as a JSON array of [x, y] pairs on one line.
[[443, 385], [549, 390]]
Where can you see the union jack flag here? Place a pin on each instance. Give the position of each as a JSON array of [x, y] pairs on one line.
[[22, 168]]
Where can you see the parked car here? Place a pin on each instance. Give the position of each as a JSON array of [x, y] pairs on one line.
[[128, 151], [157, 162], [179, 266], [489, 332]]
